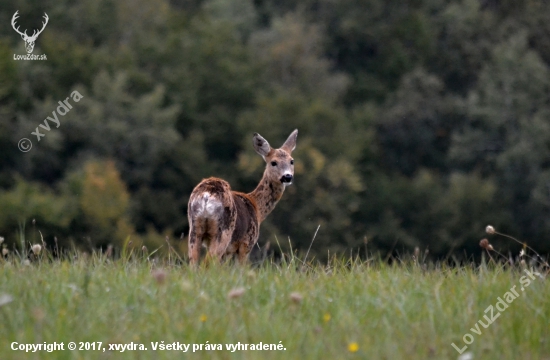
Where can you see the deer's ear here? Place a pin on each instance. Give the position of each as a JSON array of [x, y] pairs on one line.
[[261, 145], [290, 143]]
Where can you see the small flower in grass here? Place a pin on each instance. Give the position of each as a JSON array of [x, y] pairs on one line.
[[5, 299], [27, 262], [326, 317], [296, 297], [466, 356], [5, 252], [186, 285], [1, 239], [38, 314], [490, 230], [521, 253], [159, 275], [203, 318], [353, 347], [36, 249], [485, 244], [236, 293]]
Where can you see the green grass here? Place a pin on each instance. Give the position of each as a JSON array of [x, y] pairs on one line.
[[389, 312]]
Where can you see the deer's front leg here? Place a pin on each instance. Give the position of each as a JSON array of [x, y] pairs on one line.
[[243, 252]]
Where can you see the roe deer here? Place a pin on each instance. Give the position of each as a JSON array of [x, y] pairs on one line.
[[227, 221]]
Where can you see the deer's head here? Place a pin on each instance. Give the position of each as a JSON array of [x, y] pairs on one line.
[[279, 162], [29, 40]]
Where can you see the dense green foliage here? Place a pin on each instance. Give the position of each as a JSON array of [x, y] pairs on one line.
[[420, 121], [344, 310]]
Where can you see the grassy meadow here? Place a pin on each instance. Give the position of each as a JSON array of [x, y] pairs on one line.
[[347, 309]]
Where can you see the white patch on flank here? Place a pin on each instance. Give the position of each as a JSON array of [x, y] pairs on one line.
[[207, 206]]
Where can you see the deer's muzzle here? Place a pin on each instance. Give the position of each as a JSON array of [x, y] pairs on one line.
[[287, 179]]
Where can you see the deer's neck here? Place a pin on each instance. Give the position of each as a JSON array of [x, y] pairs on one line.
[[267, 194]]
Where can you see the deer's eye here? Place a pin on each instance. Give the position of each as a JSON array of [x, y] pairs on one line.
[[273, 163], [291, 162]]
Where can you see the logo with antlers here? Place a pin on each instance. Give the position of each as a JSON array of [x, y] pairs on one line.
[[29, 40]]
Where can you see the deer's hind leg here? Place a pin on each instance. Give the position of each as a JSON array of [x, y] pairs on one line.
[[218, 244], [196, 233]]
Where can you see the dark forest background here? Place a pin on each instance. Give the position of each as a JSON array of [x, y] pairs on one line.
[[420, 121]]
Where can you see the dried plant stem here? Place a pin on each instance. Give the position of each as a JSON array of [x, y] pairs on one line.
[[312, 240], [525, 245]]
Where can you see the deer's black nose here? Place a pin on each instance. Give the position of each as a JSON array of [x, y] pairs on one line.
[[286, 178]]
